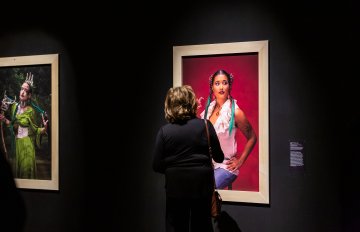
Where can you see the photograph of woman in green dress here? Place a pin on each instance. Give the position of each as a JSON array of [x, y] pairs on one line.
[[29, 119], [20, 121]]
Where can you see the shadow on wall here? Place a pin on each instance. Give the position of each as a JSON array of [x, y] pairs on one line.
[[225, 223], [12, 206]]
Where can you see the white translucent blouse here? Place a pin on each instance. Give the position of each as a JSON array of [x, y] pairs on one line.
[[227, 142], [22, 131]]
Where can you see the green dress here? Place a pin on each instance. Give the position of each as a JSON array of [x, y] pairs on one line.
[[25, 162]]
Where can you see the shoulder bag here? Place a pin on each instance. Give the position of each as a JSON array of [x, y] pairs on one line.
[[216, 200]]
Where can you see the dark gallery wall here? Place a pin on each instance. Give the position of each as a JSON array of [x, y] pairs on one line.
[[114, 73]]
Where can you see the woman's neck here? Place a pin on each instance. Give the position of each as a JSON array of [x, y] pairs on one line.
[[220, 102], [23, 104]]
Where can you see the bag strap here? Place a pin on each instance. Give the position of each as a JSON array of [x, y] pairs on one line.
[[210, 150], [208, 138]]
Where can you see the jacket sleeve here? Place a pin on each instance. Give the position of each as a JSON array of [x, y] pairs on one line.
[[217, 153], [158, 154]]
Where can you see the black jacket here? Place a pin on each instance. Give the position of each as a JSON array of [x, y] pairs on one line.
[[182, 154]]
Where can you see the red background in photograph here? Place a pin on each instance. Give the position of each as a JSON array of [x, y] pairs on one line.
[[244, 67]]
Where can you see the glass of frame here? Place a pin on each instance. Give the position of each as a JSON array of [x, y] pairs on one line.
[[14, 71], [248, 63]]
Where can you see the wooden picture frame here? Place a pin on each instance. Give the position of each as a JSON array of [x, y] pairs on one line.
[[44, 102], [248, 63]]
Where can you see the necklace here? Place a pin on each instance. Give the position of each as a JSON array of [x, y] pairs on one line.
[[22, 104], [217, 107]]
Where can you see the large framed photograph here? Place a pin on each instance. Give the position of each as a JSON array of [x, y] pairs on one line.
[[247, 64], [30, 119]]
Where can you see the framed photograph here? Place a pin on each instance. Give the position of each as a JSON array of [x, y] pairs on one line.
[[30, 119], [247, 62]]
